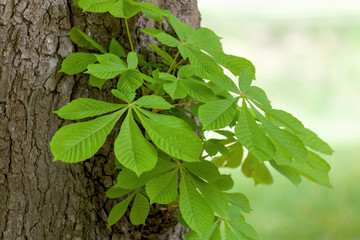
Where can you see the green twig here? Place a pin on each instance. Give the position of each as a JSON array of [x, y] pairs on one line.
[[181, 61], [172, 64], [184, 103], [128, 33]]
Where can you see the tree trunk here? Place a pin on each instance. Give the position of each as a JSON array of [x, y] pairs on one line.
[[41, 199]]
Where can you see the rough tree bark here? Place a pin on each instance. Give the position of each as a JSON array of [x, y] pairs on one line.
[[41, 199]]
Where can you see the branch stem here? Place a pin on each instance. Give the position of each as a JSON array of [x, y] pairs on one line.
[[128, 33], [172, 64], [184, 103]]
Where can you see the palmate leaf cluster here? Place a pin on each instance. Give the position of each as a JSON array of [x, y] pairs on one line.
[[161, 158]]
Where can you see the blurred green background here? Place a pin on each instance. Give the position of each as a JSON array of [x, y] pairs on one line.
[[307, 56]]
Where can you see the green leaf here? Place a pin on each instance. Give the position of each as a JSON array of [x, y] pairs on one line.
[[218, 114], [175, 89], [245, 79], [253, 168], [186, 71], [288, 172], [151, 10], [109, 58], [236, 228], [311, 140], [163, 189], [213, 196], [116, 48], [184, 51], [258, 96], [205, 39], [127, 179], [203, 169], [236, 154], [139, 210], [239, 200], [124, 9], [287, 120], [218, 161], [109, 66], [153, 101], [79, 141], [316, 169], [252, 137], [115, 192], [76, 63], [167, 58], [235, 64], [177, 141], [179, 112], [170, 121], [181, 220], [194, 108], [163, 37], [224, 183], [132, 60], [131, 148], [153, 15], [183, 30], [143, 63], [167, 76], [236, 118], [198, 90], [96, 82], [96, 6], [233, 159], [225, 133], [191, 236], [119, 210], [213, 146], [83, 40], [86, 107], [125, 96], [130, 80], [212, 233], [207, 68], [288, 146], [194, 209], [218, 91]]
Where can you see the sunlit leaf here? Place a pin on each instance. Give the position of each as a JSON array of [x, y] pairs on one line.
[[194, 209], [139, 210], [77, 142], [218, 114], [239, 200], [153, 101], [77, 62], [83, 40], [116, 48], [124, 9], [178, 142], [96, 5], [252, 137], [132, 60], [119, 210], [163, 189], [86, 107], [131, 148]]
